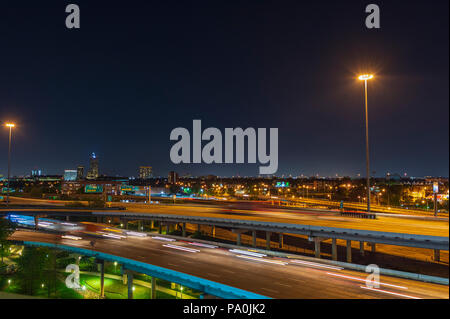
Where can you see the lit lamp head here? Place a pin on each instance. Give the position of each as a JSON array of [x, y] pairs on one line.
[[10, 125], [365, 77]]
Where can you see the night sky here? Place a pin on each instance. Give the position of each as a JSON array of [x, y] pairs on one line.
[[137, 69]]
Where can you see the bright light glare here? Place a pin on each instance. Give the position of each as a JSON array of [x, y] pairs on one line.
[[71, 237], [136, 234], [10, 125], [263, 260], [245, 252], [364, 77], [311, 264], [163, 238], [113, 236], [182, 248]]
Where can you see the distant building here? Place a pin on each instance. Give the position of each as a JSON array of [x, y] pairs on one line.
[[105, 187], [93, 167], [145, 172], [70, 175], [173, 177], [80, 172], [36, 172]]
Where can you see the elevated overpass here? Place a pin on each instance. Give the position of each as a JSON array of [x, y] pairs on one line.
[[423, 234], [214, 267]]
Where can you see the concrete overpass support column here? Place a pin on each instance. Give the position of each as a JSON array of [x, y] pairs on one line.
[[198, 228], [67, 218], [437, 255], [159, 228], [374, 247], [333, 249], [153, 293], [280, 240], [167, 228], [238, 238], [102, 279], [361, 248], [130, 284], [268, 240], [254, 238], [349, 251], [184, 231], [317, 247], [140, 225]]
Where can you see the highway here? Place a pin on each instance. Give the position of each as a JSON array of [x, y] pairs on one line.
[[269, 276], [417, 226], [395, 224], [363, 207]]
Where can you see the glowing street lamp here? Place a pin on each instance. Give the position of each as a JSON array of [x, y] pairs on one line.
[[365, 78], [10, 126]]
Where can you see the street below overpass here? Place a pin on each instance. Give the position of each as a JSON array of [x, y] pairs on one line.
[[268, 276]]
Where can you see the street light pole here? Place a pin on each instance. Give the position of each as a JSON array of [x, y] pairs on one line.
[[10, 125], [367, 149], [365, 78]]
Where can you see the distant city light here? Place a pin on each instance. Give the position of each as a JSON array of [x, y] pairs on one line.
[[364, 77]]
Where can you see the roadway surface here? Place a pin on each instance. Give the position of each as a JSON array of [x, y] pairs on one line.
[[400, 224], [269, 276], [411, 225]]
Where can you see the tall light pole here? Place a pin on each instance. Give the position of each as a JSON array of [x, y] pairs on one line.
[[365, 78], [10, 125]]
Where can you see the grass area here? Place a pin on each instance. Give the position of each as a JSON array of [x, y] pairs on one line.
[[11, 284]]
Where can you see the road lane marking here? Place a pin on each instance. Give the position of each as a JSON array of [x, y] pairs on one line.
[[270, 290], [364, 280], [390, 292]]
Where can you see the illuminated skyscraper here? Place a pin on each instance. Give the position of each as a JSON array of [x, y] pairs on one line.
[[70, 175], [145, 172], [93, 167]]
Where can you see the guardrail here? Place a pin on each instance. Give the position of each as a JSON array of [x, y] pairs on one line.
[[359, 215]]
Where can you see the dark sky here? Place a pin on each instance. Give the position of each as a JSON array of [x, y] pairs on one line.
[[137, 69]]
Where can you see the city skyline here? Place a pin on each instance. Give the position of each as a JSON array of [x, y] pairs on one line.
[[304, 83]]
